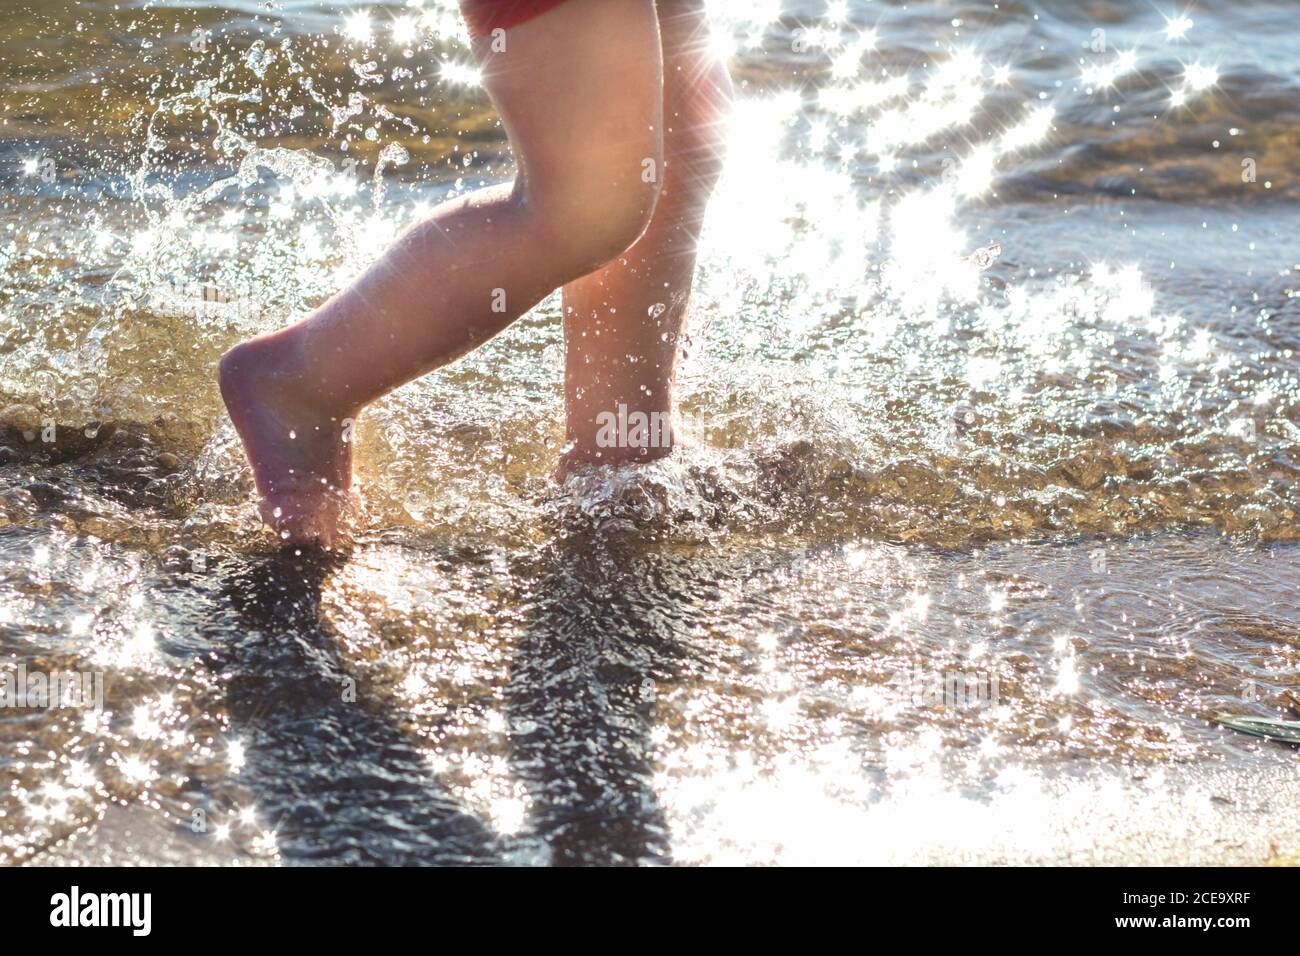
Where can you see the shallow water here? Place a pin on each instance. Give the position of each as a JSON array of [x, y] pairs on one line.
[[990, 504]]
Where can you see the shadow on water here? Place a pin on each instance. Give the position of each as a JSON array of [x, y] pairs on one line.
[[604, 633], [340, 781], [337, 777]]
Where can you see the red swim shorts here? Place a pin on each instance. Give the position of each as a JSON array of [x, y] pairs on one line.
[[484, 16]]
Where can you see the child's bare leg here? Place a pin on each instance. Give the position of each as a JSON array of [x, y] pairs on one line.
[[623, 323], [578, 90]]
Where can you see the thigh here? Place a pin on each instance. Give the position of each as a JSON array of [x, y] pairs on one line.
[[578, 87]]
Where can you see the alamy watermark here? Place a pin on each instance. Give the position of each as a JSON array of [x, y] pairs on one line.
[[198, 300], [38, 690], [951, 689], [624, 429], [75, 908]]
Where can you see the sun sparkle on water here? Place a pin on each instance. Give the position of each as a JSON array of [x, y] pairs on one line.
[[1176, 27], [358, 27]]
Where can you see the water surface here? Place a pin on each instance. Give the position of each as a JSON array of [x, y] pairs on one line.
[[989, 384]]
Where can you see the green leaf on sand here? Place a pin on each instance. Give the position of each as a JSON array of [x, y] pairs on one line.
[[1285, 731]]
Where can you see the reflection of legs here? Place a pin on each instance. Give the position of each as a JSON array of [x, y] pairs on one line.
[[622, 324], [578, 90]]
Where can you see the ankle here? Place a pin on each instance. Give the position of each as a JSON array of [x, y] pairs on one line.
[[575, 455], [619, 435], [277, 367]]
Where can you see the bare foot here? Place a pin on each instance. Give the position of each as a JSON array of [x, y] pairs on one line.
[[301, 452]]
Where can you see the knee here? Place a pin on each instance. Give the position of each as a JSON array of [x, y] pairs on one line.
[[591, 213]]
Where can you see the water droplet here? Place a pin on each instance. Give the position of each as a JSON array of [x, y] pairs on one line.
[[417, 503]]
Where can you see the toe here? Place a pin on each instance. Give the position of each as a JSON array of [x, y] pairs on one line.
[[303, 522]]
